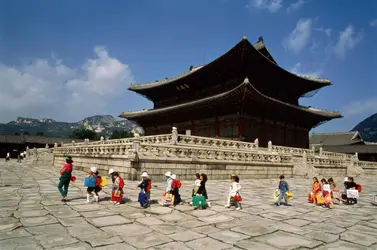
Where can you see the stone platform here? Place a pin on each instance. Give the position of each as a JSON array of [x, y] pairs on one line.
[[33, 217]]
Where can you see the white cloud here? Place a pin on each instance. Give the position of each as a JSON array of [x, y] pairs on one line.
[[298, 69], [347, 40], [373, 23], [297, 40], [366, 106], [326, 31], [43, 88], [295, 6], [270, 5]]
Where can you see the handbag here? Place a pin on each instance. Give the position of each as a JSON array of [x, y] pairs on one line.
[[117, 193], [237, 197], [276, 194], [199, 201], [142, 198], [289, 195], [90, 181], [104, 181], [352, 193]]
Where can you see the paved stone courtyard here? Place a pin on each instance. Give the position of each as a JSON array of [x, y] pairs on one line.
[[33, 217]]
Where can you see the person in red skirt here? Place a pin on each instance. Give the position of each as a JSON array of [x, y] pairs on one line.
[[117, 193]]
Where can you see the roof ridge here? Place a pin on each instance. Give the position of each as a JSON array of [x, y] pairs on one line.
[[334, 133]]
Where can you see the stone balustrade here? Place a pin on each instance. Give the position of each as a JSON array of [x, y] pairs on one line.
[[186, 154], [215, 143]]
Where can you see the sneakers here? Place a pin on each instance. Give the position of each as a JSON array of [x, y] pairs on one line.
[[227, 206], [238, 208], [95, 198]]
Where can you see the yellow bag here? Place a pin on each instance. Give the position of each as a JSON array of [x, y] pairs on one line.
[[289, 195], [104, 181], [276, 195]]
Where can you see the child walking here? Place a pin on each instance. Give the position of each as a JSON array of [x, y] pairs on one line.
[[94, 174], [176, 185], [234, 193], [326, 193], [196, 185], [117, 194], [145, 186], [65, 177], [283, 188]]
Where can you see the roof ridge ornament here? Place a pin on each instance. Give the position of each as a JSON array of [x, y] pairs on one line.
[[244, 37], [246, 81]]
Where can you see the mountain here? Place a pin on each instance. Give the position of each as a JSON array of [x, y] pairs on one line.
[[101, 124], [368, 128]]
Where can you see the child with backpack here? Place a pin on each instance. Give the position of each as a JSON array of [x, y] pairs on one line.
[[145, 188], [234, 193], [93, 173], [176, 185], [117, 193]]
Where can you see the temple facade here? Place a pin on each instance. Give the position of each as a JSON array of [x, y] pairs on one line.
[[242, 95]]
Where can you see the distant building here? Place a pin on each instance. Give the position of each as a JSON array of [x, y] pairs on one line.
[[242, 95], [14, 144], [345, 142]]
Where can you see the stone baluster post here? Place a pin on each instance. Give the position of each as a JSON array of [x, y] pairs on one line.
[[47, 146], [304, 158], [269, 146], [313, 150], [174, 136], [356, 156], [55, 145], [27, 151], [61, 144], [256, 142], [73, 143], [321, 151], [102, 139]]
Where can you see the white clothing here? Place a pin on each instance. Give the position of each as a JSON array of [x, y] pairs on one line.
[[170, 185], [326, 187], [197, 183], [234, 189]]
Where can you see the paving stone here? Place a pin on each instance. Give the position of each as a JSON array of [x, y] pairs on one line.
[[360, 238], [147, 240], [17, 233], [176, 216], [159, 210], [19, 243], [128, 230], [166, 228], [186, 236], [46, 229], [101, 213], [228, 236], [291, 229], [69, 222], [207, 243], [364, 229], [118, 246], [216, 218], [9, 227], [206, 229], [100, 239], [82, 230], [55, 239], [203, 213], [32, 213], [254, 229], [252, 244], [109, 220], [297, 222], [288, 241], [173, 246], [189, 224], [36, 221], [150, 221], [322, 236], [77, 246], [340, 245]]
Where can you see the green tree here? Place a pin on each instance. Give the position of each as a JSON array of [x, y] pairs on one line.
[[83, 133], [121, 134], [39, 133]]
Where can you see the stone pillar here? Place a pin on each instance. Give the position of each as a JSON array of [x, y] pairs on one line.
[[55, 145], [256, 142], [102, 138], [320, 151], [304, 158], [174, 136], [47, 146], [356, 156], [269, 146], [73, 143], [313, 149]]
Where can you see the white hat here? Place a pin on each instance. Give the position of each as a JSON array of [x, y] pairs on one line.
[[93, 169], [173, 176], [111, 171], [345, 178], [168, 174], [144, 174]]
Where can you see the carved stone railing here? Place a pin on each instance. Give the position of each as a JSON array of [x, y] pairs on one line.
[[92, 150], [366, 164], [325, 161], [214, 154], [290, 150], [207, 142], [337, 155]]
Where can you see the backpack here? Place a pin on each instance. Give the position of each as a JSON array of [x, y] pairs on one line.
[[359, 188], [121, 183], [149, 185], [176, 184], [98, 181]]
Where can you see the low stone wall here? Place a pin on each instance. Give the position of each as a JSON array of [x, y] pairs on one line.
[[186, 155]]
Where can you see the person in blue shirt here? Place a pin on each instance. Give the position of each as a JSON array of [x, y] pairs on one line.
[[283, 188]]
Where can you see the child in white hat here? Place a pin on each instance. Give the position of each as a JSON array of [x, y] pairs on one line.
[[93, 173], [145, 185]]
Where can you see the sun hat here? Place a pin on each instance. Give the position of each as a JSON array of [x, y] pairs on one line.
[[144, 174], [173, 176], [68, 158], [111, 171], [93, 169], [345, 178], [168, 174]]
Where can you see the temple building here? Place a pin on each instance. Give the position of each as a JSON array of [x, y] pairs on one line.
[[242, 95]]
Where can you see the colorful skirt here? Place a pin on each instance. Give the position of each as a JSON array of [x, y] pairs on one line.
[[117, 196]]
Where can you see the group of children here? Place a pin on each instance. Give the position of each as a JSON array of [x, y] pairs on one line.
[[328, 194]]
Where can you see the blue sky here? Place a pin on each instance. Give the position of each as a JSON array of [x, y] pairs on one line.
[[70, 59]]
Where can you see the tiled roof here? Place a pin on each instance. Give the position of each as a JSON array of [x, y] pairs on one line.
[[351, 149], [335, 139]]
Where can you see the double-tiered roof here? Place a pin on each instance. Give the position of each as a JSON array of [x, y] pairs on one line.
[[242, 79]]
